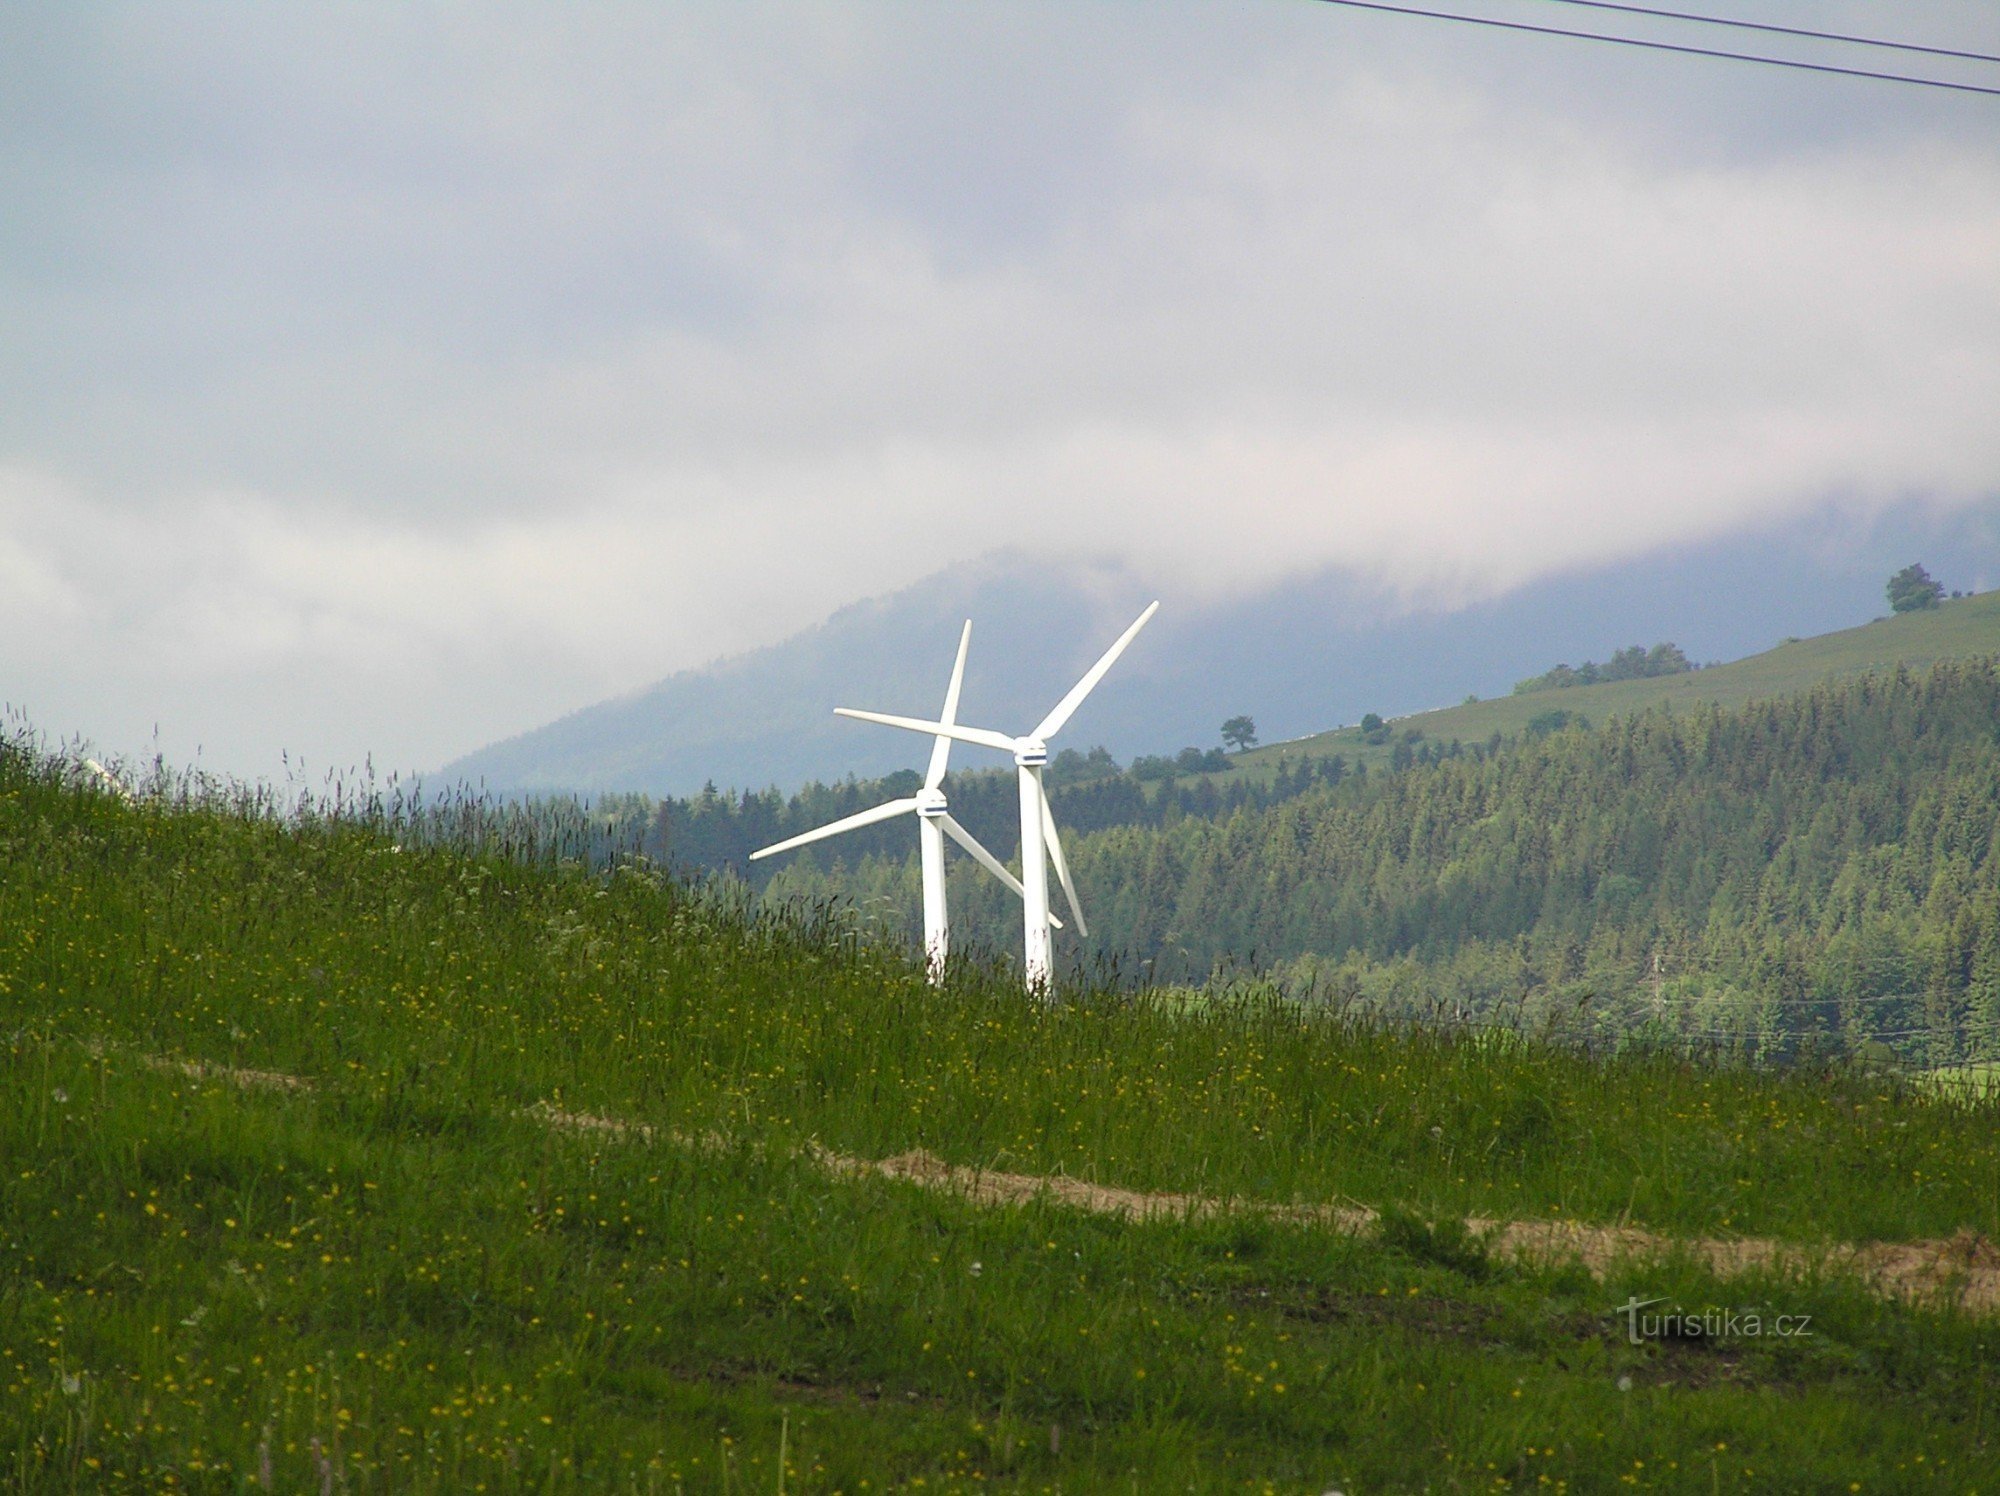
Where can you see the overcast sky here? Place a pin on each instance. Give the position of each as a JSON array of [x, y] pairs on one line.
[[389, 378]]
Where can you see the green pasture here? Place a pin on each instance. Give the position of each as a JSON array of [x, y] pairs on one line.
[[1957, 629], [401, 1278]]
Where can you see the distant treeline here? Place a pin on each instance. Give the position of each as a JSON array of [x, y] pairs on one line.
[[717, 830], [1635, 663], [1816, 871]]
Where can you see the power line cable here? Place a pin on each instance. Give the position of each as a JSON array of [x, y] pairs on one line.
[[1822, 36], [1653, 46]]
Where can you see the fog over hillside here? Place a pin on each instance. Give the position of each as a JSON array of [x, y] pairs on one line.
[[377, 382], [1299, 657]]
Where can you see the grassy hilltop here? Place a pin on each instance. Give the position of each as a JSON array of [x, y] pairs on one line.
[[368, 1257], [1960, 628]]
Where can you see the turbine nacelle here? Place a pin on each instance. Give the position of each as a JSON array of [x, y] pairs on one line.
[[1031, 753], [931, 803]]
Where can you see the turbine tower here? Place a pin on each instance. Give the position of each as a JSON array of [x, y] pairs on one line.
[[1039, 843], [934, 823]]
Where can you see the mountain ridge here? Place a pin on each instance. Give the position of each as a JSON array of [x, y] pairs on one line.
[[1298, 655]]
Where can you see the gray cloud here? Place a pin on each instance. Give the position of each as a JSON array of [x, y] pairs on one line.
[[397, 377]]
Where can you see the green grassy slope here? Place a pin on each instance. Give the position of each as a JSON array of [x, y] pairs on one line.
[[1957, 629], [399, 1279]]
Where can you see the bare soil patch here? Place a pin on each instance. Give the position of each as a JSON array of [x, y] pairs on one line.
[[249, 1080]]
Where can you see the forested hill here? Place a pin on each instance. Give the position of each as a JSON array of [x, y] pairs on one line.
[[719, 829], [1961, 628], [1822, 865]]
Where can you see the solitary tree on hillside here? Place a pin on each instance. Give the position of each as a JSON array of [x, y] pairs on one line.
[[1239, 733], [1912, 590]]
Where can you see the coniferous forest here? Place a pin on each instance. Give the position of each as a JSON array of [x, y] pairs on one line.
[[1814, 873]]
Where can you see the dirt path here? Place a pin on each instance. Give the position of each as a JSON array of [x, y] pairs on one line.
[[1963, 1269]]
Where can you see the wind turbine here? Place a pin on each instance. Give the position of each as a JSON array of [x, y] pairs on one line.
[[934, 823], [1039, 842], [109, 780]]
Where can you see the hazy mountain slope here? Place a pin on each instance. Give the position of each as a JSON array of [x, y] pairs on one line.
[[721, 831], [1299, 656], [767, 716]]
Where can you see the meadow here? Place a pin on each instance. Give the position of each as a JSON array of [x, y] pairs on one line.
[[1961, 628], [395, 1274]]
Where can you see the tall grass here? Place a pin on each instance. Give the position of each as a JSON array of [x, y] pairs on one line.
[[317, 945], [399, 1279], [365, 1289], [406, 812]]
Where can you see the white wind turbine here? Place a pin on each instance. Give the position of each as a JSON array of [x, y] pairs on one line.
[[934, 823], [1039, 842]]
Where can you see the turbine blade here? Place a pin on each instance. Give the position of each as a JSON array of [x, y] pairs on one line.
[[834, 828], [979, 735], [987, 860], [1066, 708], [1062, 867], [941, 749], [109, 780]]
